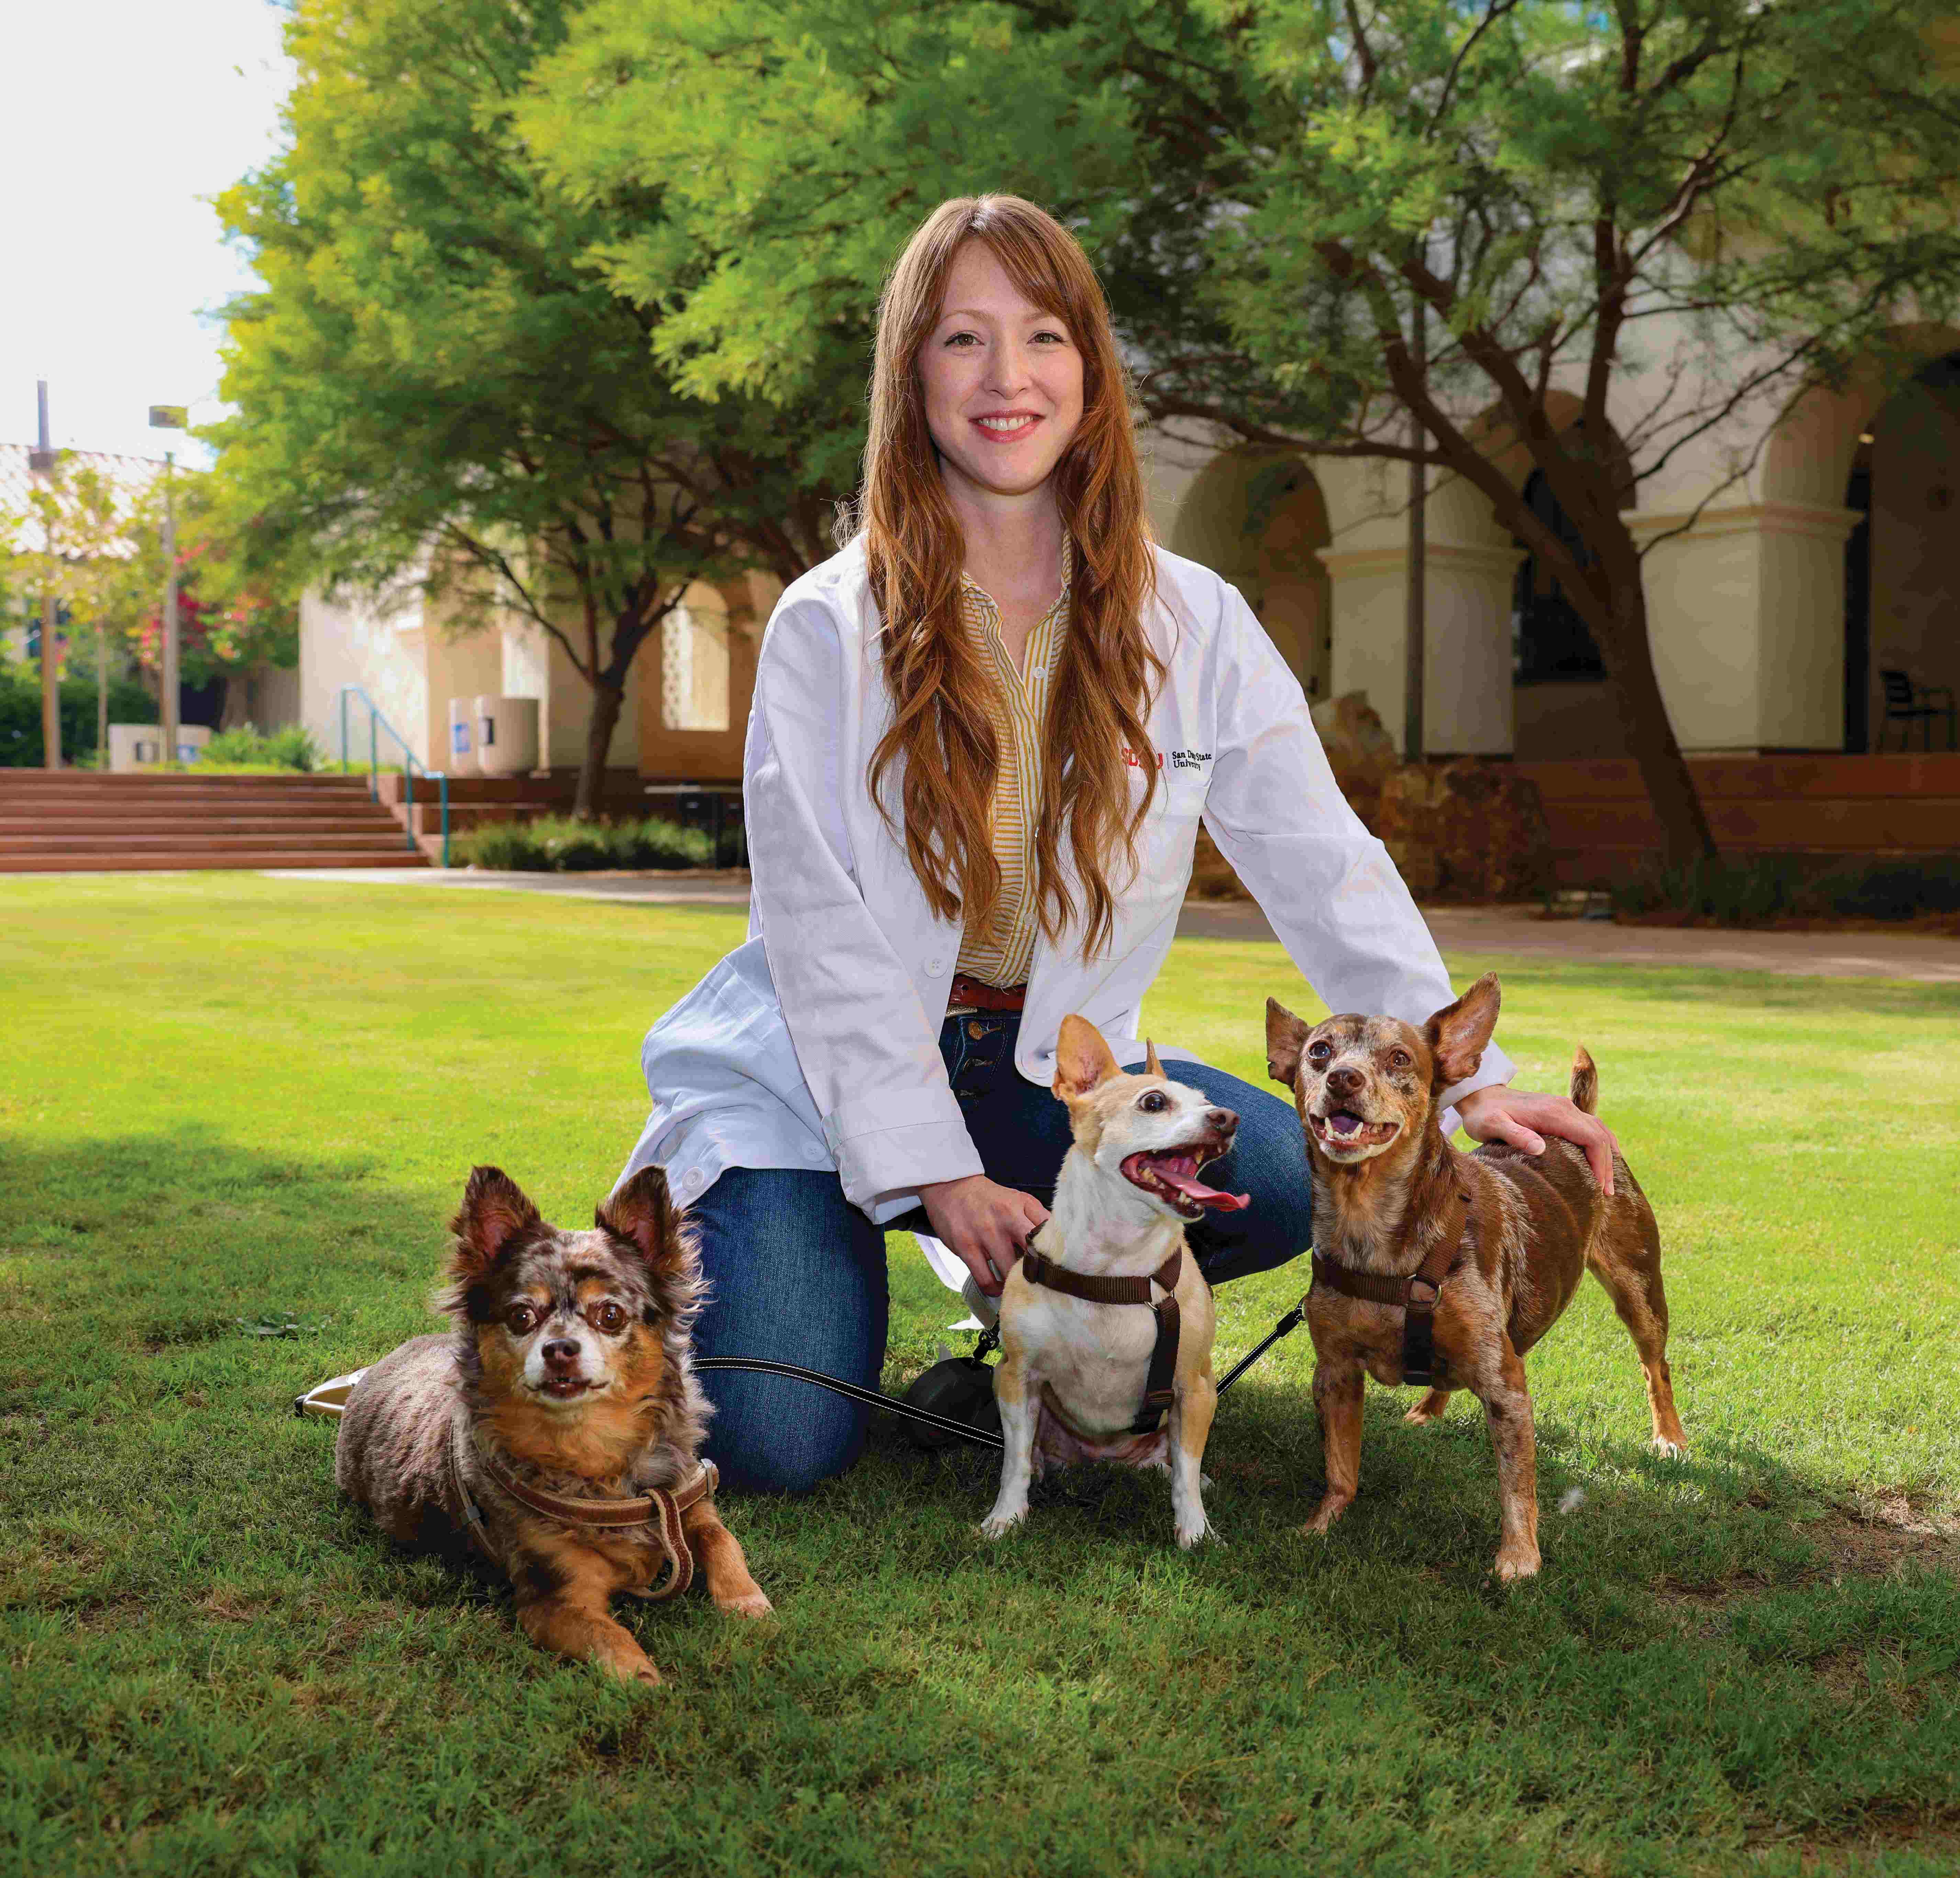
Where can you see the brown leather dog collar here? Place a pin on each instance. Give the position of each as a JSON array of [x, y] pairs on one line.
[[659, 1510], [1415, 1296], [1158, 1385]]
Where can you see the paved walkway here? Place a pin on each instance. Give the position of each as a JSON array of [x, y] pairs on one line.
[[1473, 930]]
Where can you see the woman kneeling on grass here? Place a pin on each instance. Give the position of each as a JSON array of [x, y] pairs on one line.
[[981, 738]]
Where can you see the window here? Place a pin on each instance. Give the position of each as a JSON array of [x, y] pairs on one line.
[[694, 670]]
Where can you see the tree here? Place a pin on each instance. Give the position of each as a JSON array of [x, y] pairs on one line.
[[436, 384], [1280, 194], [77, 535]]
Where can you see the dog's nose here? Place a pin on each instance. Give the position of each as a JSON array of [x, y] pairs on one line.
[[1344, 1082], [561, 1353], [1220, 1121]]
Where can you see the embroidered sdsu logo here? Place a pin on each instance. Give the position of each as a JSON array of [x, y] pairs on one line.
[[1173, 760]]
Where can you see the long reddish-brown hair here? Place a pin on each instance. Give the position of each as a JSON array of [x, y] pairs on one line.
[[942, 735]]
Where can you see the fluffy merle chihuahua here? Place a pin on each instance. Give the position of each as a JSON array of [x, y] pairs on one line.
[[563, 1395]]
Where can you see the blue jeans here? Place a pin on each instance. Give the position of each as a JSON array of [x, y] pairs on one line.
[[798, 1272]]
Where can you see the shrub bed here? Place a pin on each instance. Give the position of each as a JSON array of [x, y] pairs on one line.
[[557, 844], [290, 747], [1766, 888]]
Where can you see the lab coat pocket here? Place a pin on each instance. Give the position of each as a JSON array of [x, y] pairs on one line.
[[1167, 839]]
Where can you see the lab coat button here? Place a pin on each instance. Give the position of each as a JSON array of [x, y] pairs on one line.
[[692, 1180], [935, 965]]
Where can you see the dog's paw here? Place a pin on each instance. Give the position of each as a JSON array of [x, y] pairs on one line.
[[1190, 1536], [634, 1668], [997, 1525], [1512, 1564], [1325, 1515], [1430, 1409], [1669, 1450], [750, 1604]]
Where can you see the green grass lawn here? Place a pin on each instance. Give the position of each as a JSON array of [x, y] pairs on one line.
[[227, 1102]]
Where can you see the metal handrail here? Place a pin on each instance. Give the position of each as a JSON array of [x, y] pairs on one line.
[[412, 765]]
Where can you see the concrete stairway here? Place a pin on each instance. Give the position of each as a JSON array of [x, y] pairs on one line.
[[79, 821]]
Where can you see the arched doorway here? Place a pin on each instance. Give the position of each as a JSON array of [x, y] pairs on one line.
[[1259, 519], [1561, 706], [1902, 558]]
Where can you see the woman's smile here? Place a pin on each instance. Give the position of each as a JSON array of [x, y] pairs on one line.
[[1007, 427]]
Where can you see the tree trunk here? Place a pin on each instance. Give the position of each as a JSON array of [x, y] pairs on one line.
[[1628, 653], [607, 702]]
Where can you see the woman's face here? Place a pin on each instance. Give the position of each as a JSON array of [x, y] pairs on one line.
[[1002, 380]]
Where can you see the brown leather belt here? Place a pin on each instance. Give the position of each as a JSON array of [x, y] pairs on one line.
[[1415, 1295], [971, 995], [1158, 1386]]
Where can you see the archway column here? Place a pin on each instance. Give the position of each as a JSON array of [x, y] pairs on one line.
[[1745, 612], [1467, 705]]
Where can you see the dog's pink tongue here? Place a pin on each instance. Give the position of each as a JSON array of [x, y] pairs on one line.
[[1195, 1191], [1343, 1123]]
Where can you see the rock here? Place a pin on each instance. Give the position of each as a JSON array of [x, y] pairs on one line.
[[1468, 830], [1359, 749]]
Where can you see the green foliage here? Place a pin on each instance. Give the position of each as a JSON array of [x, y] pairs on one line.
[[555, 845], [291, 746], [435, 382], [20, 745], [216, 1665], [1765, 888]]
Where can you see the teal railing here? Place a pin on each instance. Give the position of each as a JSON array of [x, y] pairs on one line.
[[412, 765]]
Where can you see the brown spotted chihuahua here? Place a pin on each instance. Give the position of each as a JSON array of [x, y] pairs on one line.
[[556, 1428], [1386, 1189]]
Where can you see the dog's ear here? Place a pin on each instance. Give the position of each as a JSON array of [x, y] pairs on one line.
[[1285, 1037], [1151, 1066], [643, 1213], [493, 1214], [1458, 1033], [1082, 1059]]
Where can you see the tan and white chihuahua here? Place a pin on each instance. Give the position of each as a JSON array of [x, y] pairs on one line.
[[1073, 1369]]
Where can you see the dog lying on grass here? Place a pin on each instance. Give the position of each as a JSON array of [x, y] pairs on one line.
[[1392, 1200], [1080, 1355], [556, 1430]]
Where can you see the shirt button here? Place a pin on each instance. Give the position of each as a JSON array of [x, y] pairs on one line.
[[813, 1152], [692, 1179]]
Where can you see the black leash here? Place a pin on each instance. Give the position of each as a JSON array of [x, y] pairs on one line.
[[989, 1340]]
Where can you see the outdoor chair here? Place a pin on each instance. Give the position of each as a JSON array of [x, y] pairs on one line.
[[1906, 703]]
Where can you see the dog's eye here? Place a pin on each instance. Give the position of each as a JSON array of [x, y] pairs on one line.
[[1319, 1052], [1401, 1059], [609, 1318], [1155, 1103], [521, 1319]]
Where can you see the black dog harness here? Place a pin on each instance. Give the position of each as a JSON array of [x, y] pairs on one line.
[[1158, 1385], [1415, 1296]]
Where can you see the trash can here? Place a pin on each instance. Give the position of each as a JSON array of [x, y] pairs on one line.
[[191, 740], [134, 746], [460, 758], [506, 735]]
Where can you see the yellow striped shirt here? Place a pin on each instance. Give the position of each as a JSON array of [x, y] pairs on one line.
[[1018, 704]]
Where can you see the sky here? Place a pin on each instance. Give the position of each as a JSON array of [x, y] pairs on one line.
[[121, 115]]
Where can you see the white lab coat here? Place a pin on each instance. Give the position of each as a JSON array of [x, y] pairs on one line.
[[816, 1043]]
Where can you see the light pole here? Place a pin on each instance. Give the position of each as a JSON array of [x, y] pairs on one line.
[[41, 460], [169, 417], [1415, 623]]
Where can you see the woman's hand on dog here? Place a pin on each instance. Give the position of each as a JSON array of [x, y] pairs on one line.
[[987, 1224], [1522, 1118]]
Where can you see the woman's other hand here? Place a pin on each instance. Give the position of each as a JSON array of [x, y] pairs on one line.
[[1523, 1120], [985, 1224]]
